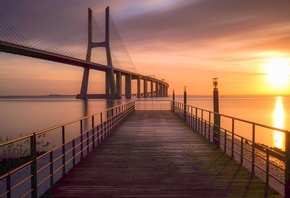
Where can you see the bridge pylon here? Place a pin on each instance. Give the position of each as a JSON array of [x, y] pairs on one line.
[[111, 90]]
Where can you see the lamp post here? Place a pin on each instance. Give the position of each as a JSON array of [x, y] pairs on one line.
[[184, 102], [216, 128], [173, 101]]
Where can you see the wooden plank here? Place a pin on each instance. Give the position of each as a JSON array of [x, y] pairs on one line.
[[154, 154]]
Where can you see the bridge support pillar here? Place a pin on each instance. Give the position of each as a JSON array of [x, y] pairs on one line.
[[160, 89], [164, 91], [107, 81], [151, 88], [128, 79], [139, 87], [119, 83], [84, 87], [145, 88], [156, 89]]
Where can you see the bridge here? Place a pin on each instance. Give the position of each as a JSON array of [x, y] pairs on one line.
[[113, 76]]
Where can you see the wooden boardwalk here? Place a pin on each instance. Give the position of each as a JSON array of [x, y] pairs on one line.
[[154, 154]]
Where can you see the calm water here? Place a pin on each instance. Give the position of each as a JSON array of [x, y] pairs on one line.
[[21, 116]]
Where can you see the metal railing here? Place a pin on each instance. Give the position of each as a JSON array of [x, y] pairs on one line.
[[152, 105], [43, 168], [268, 164]]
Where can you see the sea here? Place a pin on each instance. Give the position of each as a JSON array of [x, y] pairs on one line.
[[23, 115]]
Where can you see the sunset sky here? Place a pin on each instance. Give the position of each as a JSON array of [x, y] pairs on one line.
[[246, 44]]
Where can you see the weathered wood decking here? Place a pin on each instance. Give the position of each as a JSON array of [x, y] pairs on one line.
[[154, 154]]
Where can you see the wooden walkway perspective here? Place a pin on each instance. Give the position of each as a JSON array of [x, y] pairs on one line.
[[155, 154]]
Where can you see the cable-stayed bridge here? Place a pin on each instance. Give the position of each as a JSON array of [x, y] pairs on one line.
[[88, 54]]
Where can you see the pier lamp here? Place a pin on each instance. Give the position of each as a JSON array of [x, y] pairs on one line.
[[215, 82], [216, 127], [184, 103]]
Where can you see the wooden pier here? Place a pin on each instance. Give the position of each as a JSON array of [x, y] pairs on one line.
[[155, 154]]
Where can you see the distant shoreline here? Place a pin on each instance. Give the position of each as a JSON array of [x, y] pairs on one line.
[[190, 96], [34, 96]]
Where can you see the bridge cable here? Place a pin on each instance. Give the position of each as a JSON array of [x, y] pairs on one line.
[[120, 49], [12, 32], [54, 42]]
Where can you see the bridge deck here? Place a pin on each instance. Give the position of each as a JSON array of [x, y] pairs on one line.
[[154, 154]]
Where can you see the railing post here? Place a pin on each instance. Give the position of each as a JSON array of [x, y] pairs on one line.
[[253, 148], [191, 117], [51, 168], [225, 143], [81, 132], [93, 131], [88, 140], [33, 154], [101, 128], [63, 149], [8, 185], [267, 166], [195, 119], [173, 103], [233, 137], [209, 124], [242, 150], [287, 164], [74, 152], [184, 103], [201, 123]]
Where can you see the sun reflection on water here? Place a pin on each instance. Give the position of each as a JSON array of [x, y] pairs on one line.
[[278, 119]]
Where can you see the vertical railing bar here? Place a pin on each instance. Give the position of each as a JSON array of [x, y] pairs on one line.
[[201, 124], [98, 134], [81, 132], [112, 123], [51, 168], [106, 127], [93, 131], [242, 150], [209, 125], [191, 117], [204, 127], [8, 185], [107, 124], [63, 149], [287, 165], [225, 142], [101, 128], [233, 137], [267, 166], [88, 139], [196, 119], [74, 152], [253, 147], [33, 154]]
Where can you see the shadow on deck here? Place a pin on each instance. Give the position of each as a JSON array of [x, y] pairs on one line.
[[155, 154]]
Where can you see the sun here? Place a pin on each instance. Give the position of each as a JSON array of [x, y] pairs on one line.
[[277, 70]]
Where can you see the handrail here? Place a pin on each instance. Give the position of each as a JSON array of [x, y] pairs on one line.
[[46, 167], [261, 157]]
